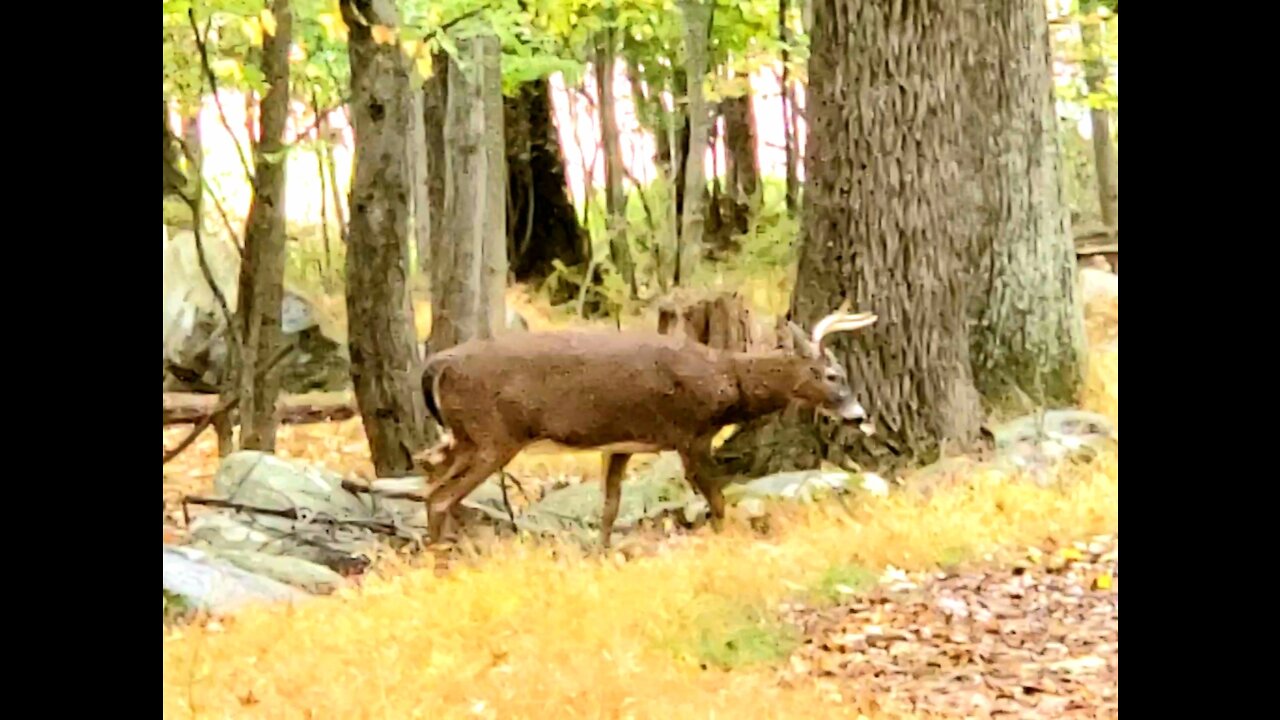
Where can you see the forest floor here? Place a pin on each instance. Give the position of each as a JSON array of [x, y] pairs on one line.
[[992, 597]]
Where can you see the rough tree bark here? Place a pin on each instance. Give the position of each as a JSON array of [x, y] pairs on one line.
[[1095, 73], [474, 198], [384, 357], [697, 17], [543, 224], [884, 228], [615, 193], [1029, 334], [262, 270]]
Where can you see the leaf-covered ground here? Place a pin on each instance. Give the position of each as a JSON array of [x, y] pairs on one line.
[[1036, 638], [701, 625]]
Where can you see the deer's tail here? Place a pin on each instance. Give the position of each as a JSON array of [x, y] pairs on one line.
[[431, 373]]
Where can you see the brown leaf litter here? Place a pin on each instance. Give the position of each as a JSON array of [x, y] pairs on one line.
[[1038, 639]]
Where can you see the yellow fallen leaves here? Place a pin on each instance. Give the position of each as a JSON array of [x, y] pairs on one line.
[[411, 643]]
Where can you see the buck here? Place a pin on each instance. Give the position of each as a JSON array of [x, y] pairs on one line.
[[620, 393]]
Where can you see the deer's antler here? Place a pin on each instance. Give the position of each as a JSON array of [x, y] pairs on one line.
[[841, 321]]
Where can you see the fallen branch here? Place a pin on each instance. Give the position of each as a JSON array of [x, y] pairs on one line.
[[192, 408], [226, 405], [290, 514]]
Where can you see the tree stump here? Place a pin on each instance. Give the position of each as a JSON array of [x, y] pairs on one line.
[[721, 321]]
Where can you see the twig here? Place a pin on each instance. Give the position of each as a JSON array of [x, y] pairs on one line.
[[290, 514], [225, 405], [360, 488], [213, 86], [206, 187]]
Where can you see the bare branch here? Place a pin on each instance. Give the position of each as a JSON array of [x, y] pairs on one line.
[[213, 86]]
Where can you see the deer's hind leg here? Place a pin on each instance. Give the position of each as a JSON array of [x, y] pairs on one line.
[[451, 490], [458, 457]]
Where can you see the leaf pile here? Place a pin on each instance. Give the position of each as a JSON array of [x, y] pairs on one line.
[[1038, 639]]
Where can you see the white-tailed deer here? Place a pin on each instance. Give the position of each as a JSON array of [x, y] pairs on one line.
[[620, 393]]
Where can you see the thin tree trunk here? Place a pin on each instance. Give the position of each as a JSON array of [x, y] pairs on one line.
[[331, 163], [382, 339], [544, 226], [435, 92], [324, 192], [460, 308], [495, 264], [1029, 335], [419, 180], [191, 138], [1104, 160], [788, 117], [615, 194], [262, 272], [742, 170], [697, 15]]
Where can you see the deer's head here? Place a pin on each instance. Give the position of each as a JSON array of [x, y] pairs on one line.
[[822, 380]]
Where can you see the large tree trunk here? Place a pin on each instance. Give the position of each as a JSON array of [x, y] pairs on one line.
[[1095, 73], [384, 357], [884, 227], [543, 224], [475, 198], [262, 272], [1029, 335], [615, 194], [697, 17], [742, 170]]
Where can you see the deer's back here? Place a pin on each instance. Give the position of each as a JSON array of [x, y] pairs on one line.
[[582, 388]]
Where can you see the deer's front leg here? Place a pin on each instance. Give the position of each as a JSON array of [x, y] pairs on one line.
[[697, 462], [616, 465]]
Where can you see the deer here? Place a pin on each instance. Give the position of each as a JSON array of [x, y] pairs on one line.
[[619, 393]]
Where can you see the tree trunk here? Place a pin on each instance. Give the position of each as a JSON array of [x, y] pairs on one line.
[[335, 189], [1104, 160], [175, 182], [195, 173], [615, 194], [884, 228], [495, 264], [435, 92], [262, 272], [384, 357], [461, 308], [543, 224], [1029, 336], [697, 16], [742, 170], [678, 139], [786, 102], [419, 174]]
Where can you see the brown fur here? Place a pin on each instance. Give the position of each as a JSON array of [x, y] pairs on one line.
[[621, 392]]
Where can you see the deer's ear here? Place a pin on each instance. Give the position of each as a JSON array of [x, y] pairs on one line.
[[801, 341]]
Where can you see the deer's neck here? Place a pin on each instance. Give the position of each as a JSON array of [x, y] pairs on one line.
[[764, 384]]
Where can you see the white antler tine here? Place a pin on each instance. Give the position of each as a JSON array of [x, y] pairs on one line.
[[842, 321]]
